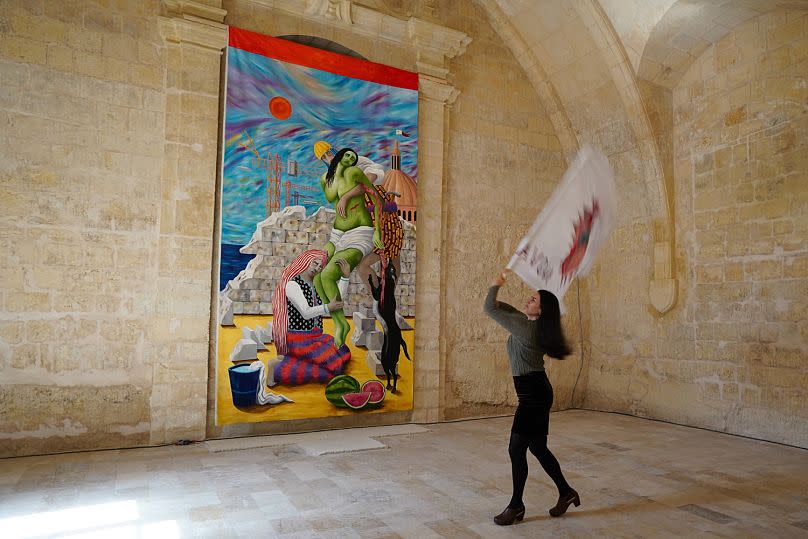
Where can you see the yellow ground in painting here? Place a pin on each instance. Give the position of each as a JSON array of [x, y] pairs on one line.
[[309, 399]]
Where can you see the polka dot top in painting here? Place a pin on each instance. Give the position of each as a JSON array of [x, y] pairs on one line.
[[296, 320]]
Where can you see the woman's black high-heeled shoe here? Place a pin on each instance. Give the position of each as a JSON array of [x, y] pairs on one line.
[[564, 502], [509, 516]]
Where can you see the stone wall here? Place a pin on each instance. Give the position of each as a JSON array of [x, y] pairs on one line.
[[82, 109], [731, 355], [742, 189], [577, 66], [665, 366], [105, 273], [280, 238], [504, 162], [107, 185], [108, 190]]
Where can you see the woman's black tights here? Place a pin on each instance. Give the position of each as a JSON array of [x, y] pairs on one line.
[[538, 446]]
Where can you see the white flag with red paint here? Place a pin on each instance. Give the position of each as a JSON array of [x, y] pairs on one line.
[[572, 227]]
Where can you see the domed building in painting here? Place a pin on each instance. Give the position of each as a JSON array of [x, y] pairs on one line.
[[397, 181]]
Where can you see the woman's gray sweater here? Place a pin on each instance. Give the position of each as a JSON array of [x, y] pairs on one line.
[[525, 354]]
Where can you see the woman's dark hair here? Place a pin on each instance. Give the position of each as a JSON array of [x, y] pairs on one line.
[[551, 336], [332, 167]]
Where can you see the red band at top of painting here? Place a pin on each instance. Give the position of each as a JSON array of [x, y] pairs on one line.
[[339, 64]]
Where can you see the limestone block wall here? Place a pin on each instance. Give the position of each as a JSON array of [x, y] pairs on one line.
[[281, 237], [575, 62], [108, 188], [82, 114], [106, 227], [741, 141], [108, 183], [504, 162], [731, 355]]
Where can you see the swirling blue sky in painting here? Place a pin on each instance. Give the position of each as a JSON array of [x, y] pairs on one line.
[[341, 110]]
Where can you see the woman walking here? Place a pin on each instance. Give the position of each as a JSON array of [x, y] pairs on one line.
[[535, 332]]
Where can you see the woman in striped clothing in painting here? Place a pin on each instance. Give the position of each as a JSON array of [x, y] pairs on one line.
[[305, 353]]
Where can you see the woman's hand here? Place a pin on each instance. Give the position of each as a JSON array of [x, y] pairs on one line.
[[341, 206], [499, 280], [344, 267], [343, 201], [335, 305]]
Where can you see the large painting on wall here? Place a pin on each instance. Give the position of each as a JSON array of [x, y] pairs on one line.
[[318, 228]]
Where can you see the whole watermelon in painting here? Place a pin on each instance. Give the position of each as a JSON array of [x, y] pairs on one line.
[[339, 386], [356, 401], [376, 390]]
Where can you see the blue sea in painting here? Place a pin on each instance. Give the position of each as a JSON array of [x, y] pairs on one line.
[[232, 262]]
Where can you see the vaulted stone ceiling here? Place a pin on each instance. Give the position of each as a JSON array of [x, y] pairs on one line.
[[689, 27], [576, 62], [660, 38], [634, 21], [589, 59]]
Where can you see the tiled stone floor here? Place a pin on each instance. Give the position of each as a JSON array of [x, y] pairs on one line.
[[637, 478]]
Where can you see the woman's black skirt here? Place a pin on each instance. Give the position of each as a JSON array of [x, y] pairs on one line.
[[535, 400]]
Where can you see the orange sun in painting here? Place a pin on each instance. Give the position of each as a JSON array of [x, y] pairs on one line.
[[280, 108]]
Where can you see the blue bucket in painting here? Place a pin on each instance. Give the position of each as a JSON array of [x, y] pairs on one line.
[[243, 384]]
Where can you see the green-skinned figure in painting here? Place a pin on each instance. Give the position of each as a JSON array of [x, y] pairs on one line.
[[354, 235]]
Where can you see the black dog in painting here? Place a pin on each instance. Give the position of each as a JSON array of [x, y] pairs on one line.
[[385, 310]]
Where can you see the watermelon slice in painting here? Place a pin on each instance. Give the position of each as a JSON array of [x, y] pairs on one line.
[[356, 401]]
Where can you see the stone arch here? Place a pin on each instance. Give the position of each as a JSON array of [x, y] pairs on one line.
[[577, 64], [323, 44]]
